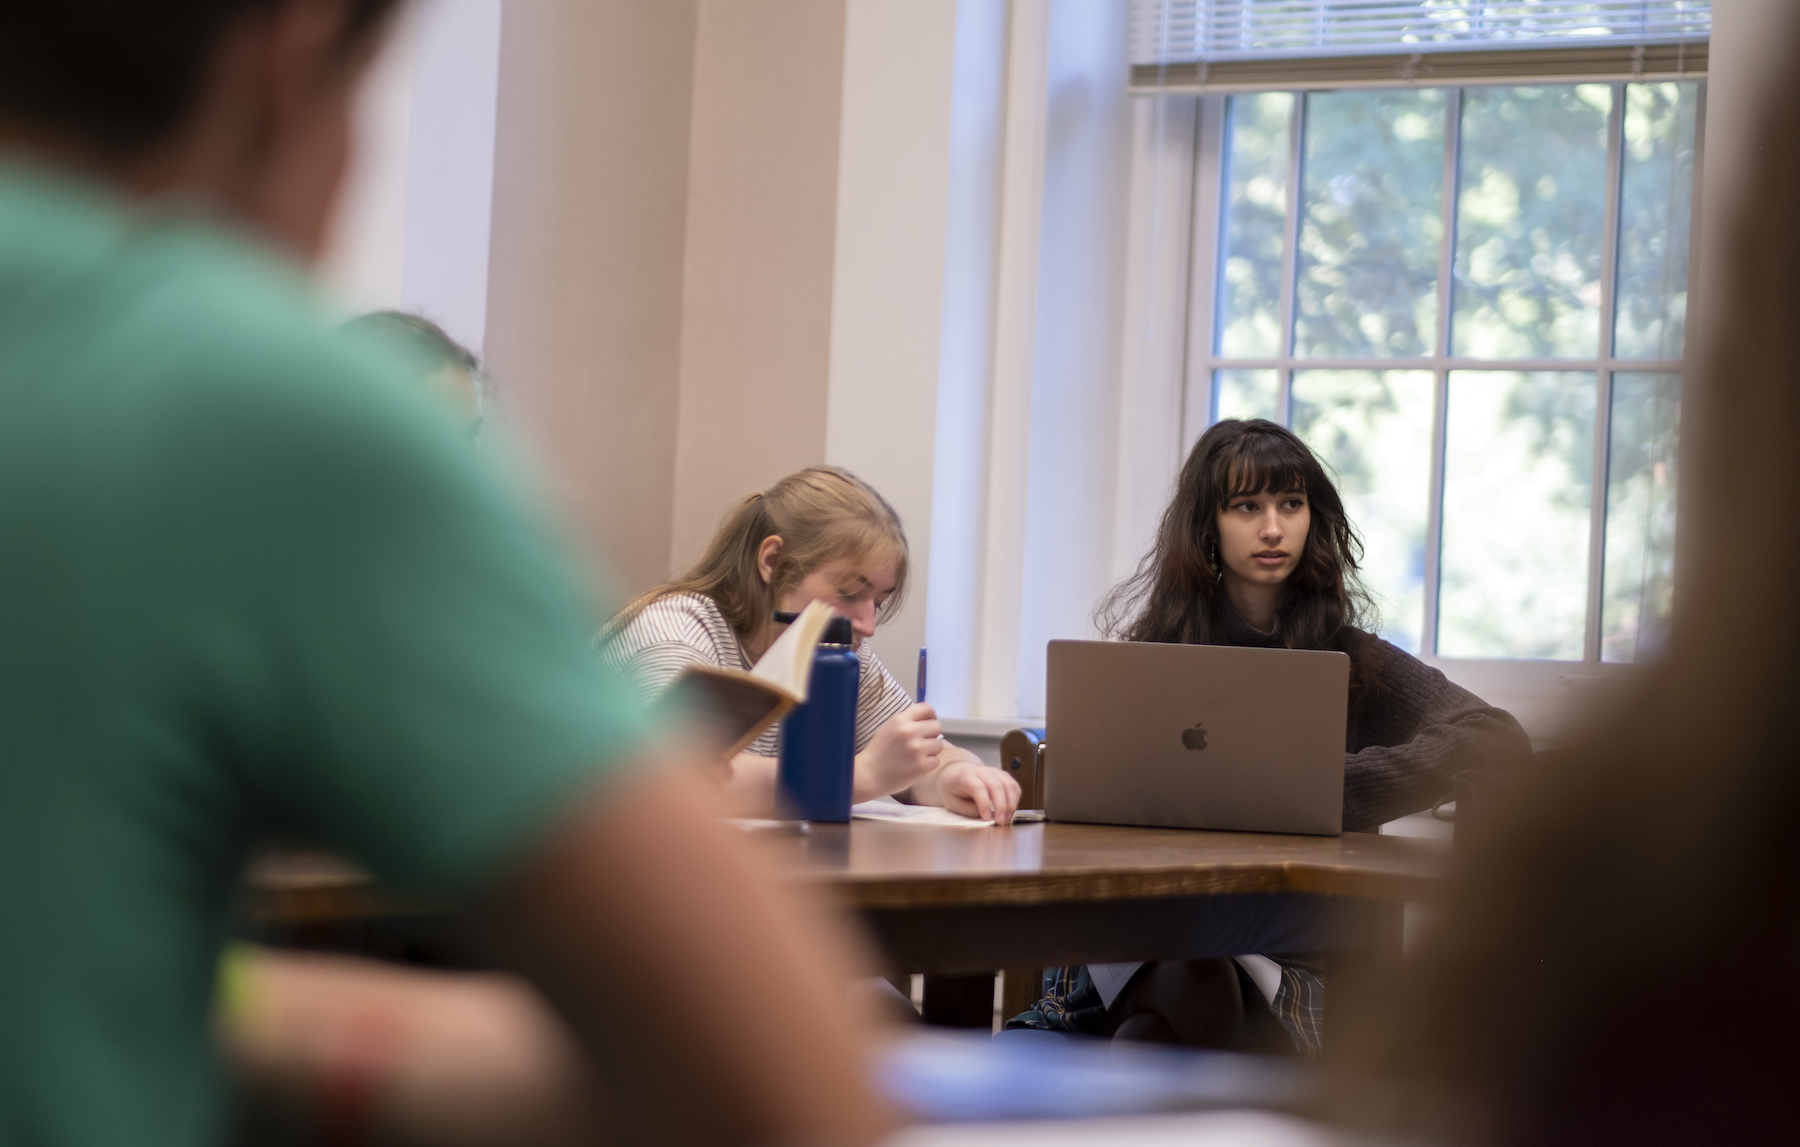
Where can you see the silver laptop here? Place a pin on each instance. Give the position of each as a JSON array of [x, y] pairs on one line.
[[1196, 736]]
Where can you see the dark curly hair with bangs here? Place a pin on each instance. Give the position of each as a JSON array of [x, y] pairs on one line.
[[1177, 595]]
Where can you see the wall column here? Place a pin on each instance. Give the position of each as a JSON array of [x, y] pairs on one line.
[[761, 230], [584, 324]]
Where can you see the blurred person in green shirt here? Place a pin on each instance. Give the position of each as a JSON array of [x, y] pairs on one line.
[[252, 581]]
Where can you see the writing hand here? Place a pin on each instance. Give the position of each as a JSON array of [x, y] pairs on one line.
[[902, 752]]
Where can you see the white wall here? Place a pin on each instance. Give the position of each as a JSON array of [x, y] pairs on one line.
[[1154, 331], [985, 176], [450, 166], [756, 330], [584, 322], [412, 226], [888, 277], [363, 265], [1075, 386], [1007, 441], [965, 353]]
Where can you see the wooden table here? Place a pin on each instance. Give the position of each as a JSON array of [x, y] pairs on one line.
[[969, 899], [954, 902]]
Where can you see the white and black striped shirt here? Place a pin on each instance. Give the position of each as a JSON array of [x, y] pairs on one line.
[[688, 629]]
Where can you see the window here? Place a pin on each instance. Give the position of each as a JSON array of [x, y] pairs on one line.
[[1470, 301], [1452, 253]]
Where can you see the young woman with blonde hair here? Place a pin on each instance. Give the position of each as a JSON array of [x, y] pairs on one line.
[[821, 534]]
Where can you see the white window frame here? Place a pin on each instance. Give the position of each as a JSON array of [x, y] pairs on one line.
[[1177, 171]]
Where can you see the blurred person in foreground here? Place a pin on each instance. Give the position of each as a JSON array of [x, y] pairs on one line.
[[254, 581], [452, 370], [1623, 965]]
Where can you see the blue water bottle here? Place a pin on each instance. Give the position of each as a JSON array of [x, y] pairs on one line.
[[818, 739]]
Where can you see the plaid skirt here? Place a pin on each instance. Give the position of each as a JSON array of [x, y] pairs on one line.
[[1071, 1003]]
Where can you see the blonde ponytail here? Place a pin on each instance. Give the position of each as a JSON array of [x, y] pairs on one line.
[[822, 514]]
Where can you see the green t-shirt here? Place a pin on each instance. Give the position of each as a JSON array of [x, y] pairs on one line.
[[252, 581]]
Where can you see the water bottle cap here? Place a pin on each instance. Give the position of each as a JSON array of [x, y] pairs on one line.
[[837, 630]]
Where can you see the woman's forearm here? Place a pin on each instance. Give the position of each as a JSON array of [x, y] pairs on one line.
[[749, 783], [865, 786], [929, 789], [749, 786]]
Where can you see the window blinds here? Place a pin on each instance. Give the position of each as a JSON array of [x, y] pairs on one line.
[[1222, 44]]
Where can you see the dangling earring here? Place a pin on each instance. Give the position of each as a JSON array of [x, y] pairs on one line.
[[1218, 569]]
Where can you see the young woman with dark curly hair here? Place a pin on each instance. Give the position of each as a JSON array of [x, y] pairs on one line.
[[1255, 550]]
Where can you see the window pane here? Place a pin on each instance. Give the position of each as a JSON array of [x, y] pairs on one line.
[[1371, 190], [1256, 178], [1246, 394], [1374, 429], [1640, 516], [1655, 212], [1530, 217], [1518, 462]]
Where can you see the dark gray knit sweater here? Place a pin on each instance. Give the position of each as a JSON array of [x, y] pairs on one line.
[[1409, 728]]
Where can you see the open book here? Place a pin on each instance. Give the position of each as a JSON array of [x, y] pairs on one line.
[[732, 707]]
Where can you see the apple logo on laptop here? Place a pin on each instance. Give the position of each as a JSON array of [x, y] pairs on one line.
[[1194, 738]]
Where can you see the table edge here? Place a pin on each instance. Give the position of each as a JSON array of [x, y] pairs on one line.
[[1008, 888]]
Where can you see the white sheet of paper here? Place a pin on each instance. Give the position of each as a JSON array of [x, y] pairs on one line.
[[1214, 1128], [1110, 979], [897, 813]]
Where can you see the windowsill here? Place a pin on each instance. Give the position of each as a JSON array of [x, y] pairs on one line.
[[1550, 698], [988, 726]]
